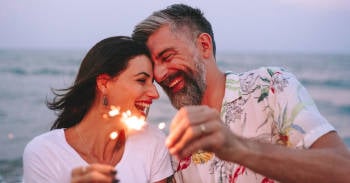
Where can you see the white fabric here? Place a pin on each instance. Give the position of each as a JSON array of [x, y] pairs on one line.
[[49, 158], [269, 105]]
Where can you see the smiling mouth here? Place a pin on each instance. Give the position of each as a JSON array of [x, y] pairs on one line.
[[174, 83], [143, 107]]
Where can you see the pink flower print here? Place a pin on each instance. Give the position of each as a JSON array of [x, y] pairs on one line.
[[267, 180], [239, 171], [184, 163]]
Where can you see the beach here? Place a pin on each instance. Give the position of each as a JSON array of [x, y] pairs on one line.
[[27, 77]]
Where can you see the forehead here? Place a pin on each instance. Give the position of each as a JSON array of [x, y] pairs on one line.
[[139, 64], [163, 39]]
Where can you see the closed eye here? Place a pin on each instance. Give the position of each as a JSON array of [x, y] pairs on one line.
[[167, 58], [141, 80], [166, 55]]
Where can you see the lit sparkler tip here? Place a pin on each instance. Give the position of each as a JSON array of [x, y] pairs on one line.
[[113, 135], [133, 122], [114, 111], [161, 125]]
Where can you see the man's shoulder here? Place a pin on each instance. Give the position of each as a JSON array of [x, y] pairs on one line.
[[266, 71], [264, 74]]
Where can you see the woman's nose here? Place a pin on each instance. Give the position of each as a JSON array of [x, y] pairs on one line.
[[153, 92]]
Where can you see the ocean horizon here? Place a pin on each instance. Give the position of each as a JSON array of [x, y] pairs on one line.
[[28, 75]]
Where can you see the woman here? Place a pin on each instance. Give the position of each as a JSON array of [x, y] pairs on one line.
[[116, 72]]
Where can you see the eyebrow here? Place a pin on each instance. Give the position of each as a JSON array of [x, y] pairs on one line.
[[143, 73]]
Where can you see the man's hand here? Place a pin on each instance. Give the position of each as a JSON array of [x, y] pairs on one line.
[[200, 128]]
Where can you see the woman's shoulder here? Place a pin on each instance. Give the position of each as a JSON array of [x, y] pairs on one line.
[[45, 140]]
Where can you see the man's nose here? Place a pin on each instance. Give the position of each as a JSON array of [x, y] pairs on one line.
[[160, 72]]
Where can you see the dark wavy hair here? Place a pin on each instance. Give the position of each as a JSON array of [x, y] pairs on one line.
[[176, 16], [109, 56]]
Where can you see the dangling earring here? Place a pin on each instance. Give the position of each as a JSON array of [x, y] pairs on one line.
[[105, 100]]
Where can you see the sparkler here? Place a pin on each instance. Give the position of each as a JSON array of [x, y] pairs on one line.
[[132, 122]]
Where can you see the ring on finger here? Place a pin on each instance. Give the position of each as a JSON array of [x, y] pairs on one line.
[[202, 128]]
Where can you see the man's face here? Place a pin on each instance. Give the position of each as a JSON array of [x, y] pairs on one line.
[[178, 67]]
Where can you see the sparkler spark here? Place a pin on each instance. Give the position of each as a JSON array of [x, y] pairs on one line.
[[161, 125], [114, 111], [133, 122], [113, 135]]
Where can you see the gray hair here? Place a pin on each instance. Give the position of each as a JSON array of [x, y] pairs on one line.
[[178, 17]]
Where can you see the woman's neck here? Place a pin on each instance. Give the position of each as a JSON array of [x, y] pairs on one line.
[[92, 141]]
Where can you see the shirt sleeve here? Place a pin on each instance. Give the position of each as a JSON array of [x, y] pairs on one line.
[[35, 168], [298, 115]]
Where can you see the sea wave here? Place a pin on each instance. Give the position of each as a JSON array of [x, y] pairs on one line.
[[10, 171], [18, 71], [333, 83]]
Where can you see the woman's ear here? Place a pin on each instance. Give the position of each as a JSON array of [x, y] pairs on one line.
[[205, 44], [101, 82]]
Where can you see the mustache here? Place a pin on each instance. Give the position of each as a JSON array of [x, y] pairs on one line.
[[166, 82]]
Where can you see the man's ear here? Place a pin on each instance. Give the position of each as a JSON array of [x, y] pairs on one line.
[[205, 44], [101, 82]]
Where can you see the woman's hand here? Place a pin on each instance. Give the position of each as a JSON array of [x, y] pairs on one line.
[[94, 173]]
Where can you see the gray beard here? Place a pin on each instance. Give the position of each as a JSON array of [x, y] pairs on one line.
[[193, 91]]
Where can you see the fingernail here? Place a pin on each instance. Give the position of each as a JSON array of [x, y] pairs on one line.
[[113, 172]]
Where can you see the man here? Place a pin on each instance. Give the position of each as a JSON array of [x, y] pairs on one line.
[[261, 125]]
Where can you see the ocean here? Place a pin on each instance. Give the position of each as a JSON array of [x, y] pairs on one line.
[[28, 75]]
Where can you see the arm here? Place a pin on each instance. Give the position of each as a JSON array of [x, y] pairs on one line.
[[328, 159]]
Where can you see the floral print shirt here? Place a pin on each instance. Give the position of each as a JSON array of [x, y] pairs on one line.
[[268, 105]]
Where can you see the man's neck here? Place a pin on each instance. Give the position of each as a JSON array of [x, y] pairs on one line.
[[215, 91]]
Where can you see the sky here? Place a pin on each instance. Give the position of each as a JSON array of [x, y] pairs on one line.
[[307, 26]]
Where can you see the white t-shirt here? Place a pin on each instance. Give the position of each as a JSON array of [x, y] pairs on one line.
[[49, 158], [268, 105]]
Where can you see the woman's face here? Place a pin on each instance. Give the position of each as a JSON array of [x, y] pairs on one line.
[[133, 89]]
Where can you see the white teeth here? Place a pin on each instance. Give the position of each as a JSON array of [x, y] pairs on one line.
[[175, 81], [144, 105]]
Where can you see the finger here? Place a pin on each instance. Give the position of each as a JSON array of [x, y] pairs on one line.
[[193, 134], [221, 141], [188, 136], [186, 117], [93, 176], [178, 126], [79, 170], [102, 168], [189, 112], [93, 172]]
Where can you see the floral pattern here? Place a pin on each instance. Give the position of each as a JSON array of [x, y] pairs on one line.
[[264, 105]]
